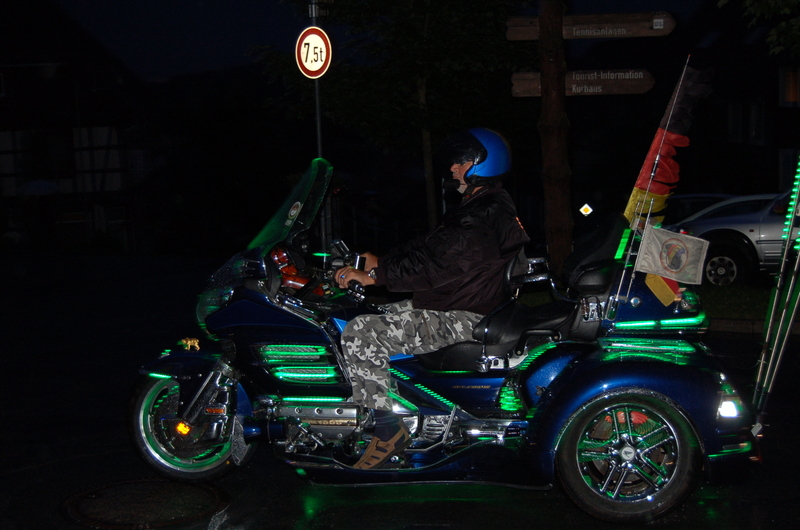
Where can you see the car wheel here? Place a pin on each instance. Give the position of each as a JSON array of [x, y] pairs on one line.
[[628, 457], [725, 266]]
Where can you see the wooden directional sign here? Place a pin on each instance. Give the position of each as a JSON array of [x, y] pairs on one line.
[[587, 83], [599, 26]]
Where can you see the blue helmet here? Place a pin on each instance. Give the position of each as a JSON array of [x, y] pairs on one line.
[[488, 152]]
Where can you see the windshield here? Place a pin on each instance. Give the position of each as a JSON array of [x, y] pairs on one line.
[[298, 210]]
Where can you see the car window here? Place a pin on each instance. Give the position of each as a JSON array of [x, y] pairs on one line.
[[679, 208], [737, 208]]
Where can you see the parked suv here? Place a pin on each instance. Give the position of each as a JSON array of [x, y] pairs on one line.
[[745, 236]]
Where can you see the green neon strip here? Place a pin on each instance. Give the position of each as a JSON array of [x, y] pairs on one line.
[[291, 349], [509, 400], [403, 402], [400, 375], [790, 211], [434, 394], [623, 243], [642, 324], [746, 447], [294, 375], [535, 354], [304, 373], [689, 321], [666, 323], [680, 346], [160, 376]]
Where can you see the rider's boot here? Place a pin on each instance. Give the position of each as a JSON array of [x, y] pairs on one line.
[[390, 437]]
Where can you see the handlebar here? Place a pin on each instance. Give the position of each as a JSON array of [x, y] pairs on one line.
[[356, 289]]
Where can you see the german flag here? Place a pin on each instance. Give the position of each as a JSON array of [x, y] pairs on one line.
[[660, 173]]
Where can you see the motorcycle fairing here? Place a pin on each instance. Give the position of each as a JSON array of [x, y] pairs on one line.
[[272, 320]]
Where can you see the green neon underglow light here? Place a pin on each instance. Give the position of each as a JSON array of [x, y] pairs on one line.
[[639, 324], [744, 447], [535, 354], [792, 206], [305, 373], [160, 376], [646, 345], [623, 243], [291, 349], [688, 321], [435, 395], [403, 402], [667, 357], [666, 323], [509, 399], [278, 353], [400, 375]]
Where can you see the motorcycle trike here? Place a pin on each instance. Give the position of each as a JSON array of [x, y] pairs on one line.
[[604, 390]]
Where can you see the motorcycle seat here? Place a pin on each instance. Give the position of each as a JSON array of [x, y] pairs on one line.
[[498, 334], [588, 271]]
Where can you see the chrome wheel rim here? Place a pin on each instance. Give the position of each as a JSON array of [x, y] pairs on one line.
[[627, 452], [157, 418]]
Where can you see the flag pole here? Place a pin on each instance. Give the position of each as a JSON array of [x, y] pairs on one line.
[[673, 101]]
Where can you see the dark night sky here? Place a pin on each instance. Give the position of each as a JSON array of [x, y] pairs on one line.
[[159, 39]]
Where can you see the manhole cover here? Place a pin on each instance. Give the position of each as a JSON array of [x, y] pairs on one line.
[[141, 504]]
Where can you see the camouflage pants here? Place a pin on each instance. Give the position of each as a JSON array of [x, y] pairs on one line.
[[369, 340]]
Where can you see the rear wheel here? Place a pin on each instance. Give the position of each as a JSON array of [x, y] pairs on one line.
[[628, 457], [156, 432], [725, 266]]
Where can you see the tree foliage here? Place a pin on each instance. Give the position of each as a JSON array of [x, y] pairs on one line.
[[783, 15], [412, 72]]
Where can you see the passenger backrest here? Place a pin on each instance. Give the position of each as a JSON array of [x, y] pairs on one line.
[[595, 249]]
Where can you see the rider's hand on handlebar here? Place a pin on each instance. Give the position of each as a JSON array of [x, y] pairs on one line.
[[345, 275]]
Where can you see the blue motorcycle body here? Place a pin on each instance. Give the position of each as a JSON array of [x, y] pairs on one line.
[[605, 389]]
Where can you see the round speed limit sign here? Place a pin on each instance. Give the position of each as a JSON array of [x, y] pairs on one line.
[[313, 52]]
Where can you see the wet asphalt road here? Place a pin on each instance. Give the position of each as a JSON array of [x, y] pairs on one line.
[[74, 330]]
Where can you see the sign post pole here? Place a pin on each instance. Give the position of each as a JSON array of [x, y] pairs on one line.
[[313, 56]]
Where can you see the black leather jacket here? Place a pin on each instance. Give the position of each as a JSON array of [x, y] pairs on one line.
[[460, 264]]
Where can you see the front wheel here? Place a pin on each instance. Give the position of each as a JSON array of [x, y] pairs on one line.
[[155, 430], [628, 457]]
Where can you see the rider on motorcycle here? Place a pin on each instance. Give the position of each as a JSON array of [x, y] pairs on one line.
[[455, 274]]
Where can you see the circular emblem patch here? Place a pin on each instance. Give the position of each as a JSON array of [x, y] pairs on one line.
[[674, 255]]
